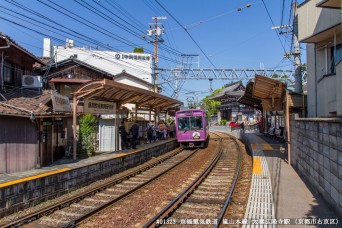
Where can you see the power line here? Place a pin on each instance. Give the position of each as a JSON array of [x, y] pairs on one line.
[[269, 15], [199, 47]]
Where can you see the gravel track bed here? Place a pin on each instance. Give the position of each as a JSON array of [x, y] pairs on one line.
[[16, 216], [101, 198], [137, 209], [237, 208]]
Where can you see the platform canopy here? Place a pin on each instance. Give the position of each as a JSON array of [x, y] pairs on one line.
[[264, 92], [109, 90]]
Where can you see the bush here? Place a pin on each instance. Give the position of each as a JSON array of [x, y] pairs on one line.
[[223, 122], [87, 130]]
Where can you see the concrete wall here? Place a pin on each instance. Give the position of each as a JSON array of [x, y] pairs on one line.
[[316, 153], [23, 195], [313, 20]]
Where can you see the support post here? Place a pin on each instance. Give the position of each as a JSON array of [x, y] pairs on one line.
[[287, 113], [74, 126], [117, 124]]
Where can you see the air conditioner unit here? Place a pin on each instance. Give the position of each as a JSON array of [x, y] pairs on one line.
[[30, 81]]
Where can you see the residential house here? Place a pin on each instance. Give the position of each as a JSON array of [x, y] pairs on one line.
[[319, 26]]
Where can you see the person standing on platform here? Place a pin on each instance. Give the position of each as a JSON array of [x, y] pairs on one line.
[[149, 133], [172, 129], [135, 132], [123, 136]]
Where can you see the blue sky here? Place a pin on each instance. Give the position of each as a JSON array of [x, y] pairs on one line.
[[228, 37]]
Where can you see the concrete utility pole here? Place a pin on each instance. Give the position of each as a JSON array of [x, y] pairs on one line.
[[296, 54], [156, 31]]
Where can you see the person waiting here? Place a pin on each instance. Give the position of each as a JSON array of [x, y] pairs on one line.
[[135, 132]]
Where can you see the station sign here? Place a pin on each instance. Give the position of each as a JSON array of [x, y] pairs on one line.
[[99, 107]]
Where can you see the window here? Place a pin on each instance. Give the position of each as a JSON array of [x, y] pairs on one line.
[[183, 123], [8, 73], [335, 59], [190, 123], [196, 122]]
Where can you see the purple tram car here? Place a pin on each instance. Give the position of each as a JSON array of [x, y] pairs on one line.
[[192, 128]]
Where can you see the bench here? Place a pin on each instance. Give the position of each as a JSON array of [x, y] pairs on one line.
[[271, 132], [279, 134]]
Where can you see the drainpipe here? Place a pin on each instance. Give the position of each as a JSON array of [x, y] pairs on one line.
[[2, 62]]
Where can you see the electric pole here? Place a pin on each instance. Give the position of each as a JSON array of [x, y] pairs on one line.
[[156, 31], [296, 54]]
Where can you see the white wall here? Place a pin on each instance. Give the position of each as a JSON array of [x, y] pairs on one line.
[[112, 62]]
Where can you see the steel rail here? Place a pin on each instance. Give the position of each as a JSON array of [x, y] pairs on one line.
[[87, 215], [227, 201], [166, 211], [74, 199]]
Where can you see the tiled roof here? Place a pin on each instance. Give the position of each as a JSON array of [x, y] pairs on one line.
[[15, 44], [229, 90], [23, 103]]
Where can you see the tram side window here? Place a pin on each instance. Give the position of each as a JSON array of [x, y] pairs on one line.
[[183, 123], [196, 122]]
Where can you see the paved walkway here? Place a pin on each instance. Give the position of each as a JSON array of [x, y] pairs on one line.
[[292, 197]]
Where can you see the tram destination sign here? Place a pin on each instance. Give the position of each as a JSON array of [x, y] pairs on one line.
[[99, 107]]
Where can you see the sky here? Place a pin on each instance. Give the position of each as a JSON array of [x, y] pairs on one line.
[[221, 35]]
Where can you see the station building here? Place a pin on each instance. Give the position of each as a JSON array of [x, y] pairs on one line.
[[39, 113]]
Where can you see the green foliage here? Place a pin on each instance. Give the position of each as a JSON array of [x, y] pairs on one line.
[[138, 50], [87, 130], [223, 122], [210, 105]]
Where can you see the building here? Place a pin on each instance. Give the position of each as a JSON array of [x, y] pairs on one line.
[[319, 26], [137, 64], [230, 109]]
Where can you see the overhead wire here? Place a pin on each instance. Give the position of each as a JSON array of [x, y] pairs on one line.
[[48, 19], [133, 67]]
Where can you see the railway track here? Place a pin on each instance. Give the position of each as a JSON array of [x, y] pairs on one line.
[[81, 206], [207, 198]]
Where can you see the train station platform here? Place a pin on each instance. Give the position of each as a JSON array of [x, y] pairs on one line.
[[278, 195], [24, 189]]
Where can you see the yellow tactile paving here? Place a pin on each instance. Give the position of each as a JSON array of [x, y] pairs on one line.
[[262, 146], [257, 167], [33, 177]]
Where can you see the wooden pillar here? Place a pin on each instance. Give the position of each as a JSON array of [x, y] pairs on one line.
[[41, 130], [117, 124], [287, 119], [136, 112], [74, 126], [52, 139], [149, 115]]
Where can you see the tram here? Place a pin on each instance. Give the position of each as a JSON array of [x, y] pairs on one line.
[[192, 128]]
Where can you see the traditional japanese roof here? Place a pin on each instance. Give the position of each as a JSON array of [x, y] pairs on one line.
[[12, 43], [75, 63], [26, 103], [235, 89]]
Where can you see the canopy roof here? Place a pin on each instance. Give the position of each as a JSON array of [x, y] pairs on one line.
[[109, 90], [264, 93]]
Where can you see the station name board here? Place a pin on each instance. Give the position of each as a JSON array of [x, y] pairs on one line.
[[99, 107]]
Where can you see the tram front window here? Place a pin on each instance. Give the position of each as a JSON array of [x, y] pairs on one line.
[[196, 122], [183, 123]]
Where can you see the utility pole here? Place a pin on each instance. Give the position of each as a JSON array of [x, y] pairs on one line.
[[156, 31], [296, 54], [296, 47]]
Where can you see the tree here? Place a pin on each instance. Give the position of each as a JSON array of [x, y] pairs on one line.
[[138, 50], [87, 132], [210, 105]]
